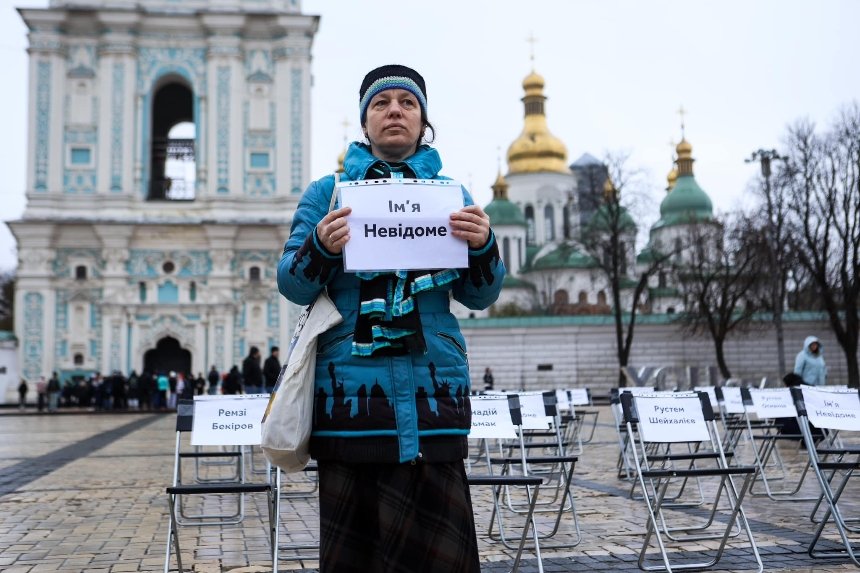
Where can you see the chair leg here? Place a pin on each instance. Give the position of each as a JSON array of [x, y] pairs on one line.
[[173, 537]]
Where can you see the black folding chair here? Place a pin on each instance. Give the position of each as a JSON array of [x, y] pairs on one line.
[[685, 419], [835, 462], [178, 490]]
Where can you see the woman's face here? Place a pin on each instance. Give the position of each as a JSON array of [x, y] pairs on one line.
[[813, 347], [393, 124]]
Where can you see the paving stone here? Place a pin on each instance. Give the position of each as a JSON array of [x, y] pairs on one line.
[[86, 493]]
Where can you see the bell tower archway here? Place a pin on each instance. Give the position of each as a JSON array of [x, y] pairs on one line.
[[167, 355]]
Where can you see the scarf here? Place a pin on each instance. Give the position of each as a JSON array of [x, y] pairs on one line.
[[389, 321]]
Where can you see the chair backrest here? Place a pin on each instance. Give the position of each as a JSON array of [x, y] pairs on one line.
[[533, 406], [831, 410], [227, 420], [771, 402], [579, 396], [711, 391], [731, 401], [495, 416], [669, 417]]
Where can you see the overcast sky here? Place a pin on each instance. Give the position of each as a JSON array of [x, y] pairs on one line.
[[616, 73]]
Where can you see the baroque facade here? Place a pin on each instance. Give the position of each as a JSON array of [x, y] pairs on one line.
[[167, 152]]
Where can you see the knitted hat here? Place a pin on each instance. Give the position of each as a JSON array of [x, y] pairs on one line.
[[388, 77]]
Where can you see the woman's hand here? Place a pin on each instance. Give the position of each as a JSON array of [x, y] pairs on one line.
[[472, 224], [332, 231]]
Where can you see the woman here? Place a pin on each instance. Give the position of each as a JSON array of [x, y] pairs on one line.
[[809, 363], [392, 409]]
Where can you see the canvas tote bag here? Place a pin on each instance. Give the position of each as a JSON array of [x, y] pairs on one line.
[[289, 416]]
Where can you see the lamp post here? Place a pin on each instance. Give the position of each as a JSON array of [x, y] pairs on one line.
[[774, 241]]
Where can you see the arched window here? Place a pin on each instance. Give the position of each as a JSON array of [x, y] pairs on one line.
[[670, 310], [192, 291], [80, 273], [549, 223], [561, 297], [529, 212], [601, 298], [254, 274], [141, 291], [172, 173], [583, 297], [506, 252], [78, 359]]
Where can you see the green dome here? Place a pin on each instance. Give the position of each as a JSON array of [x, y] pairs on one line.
[[566, 256], [601, 220], [503, 212], [687, 202]]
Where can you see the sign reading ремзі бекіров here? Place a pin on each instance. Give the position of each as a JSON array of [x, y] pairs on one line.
[[671, 419], [402, 224], [228, 420]]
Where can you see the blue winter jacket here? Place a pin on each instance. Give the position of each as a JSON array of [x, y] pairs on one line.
[[386, 408], [811, 366]]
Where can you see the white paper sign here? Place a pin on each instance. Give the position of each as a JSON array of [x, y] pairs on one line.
[[228, 420], [773, 403], [732, 401], [671, 419], [712, 395], [402, 224], [832, 410], [491, 418], [533, 411], [562, 399], [578, 396]]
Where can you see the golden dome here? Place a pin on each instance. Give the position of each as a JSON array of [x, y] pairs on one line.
[[536, 149], [608, 189], [671, 178], [685, 157], [533, 84], [500, 187]]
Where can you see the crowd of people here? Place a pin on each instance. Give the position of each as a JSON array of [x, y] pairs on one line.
[[152, 390]]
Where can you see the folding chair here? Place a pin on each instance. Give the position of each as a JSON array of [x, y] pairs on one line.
[[764, 438], [498, 417], [579, 418], [540, 429], [835, 412], [625, 467], [683, 418], [239, 426]]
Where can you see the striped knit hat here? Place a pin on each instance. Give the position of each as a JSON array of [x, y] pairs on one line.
[[391, 77]]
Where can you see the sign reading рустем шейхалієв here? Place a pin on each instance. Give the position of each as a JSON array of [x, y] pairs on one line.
[[228, 420], [671, 419], [402, 224]]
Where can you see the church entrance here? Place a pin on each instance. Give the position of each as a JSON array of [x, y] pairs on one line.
[[167, 355]]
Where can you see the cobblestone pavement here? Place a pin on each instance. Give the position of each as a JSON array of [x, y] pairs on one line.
[[85, 493]]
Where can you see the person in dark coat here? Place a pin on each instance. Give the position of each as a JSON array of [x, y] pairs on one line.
[[22, 394], [392, 483], [252, 373], [233, 382], [271, 369], [214, 377]]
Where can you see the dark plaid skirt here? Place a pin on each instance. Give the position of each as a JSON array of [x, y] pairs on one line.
[[396, 518]]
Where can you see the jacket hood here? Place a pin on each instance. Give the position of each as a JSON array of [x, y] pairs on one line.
[[425, 162], [809, 340]]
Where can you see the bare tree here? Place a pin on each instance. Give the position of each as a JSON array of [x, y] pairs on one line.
[[717, 277], [609, 239], [7, 301], [824, 175]]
